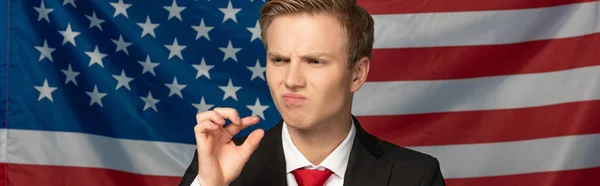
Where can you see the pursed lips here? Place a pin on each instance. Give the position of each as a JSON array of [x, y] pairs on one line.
[[293, 98]]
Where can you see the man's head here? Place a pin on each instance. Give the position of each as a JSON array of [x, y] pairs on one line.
[[318, 55]]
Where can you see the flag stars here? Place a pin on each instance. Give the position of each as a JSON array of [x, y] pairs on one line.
[[45, 91], [175, 88], [175, 49], [123, 80], [202, 30], [255, 31], [203, 69], [69, 35], [258, 109], [71, 2], [148, 27], [70, 75], [121, 45], [96, 57], [230, 12], [150, 102], [120, 8], [257, 71], [43, 12], [174, 11], [95, 96], [148, 66], [230, 91], [94, 21], [230, 52], [45, 51], [202, 106]]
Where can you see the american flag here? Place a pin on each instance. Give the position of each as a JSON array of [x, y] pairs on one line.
[[104, 92]]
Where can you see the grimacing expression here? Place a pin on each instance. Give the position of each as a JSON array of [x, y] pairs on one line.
[[307, 69]]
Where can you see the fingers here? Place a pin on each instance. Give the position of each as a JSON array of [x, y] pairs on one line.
[[230, 114], [245, 122], [251, 143]]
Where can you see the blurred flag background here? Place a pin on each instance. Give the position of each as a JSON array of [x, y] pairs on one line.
[[104, 92]]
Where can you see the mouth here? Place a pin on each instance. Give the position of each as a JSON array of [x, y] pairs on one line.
[[293, 99]]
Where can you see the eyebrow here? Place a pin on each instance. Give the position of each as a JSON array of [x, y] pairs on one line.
[[314, 55]]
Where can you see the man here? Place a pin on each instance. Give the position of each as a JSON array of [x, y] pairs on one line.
[[318, 55]]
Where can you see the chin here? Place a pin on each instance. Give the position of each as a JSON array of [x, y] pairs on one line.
[[297, 121]]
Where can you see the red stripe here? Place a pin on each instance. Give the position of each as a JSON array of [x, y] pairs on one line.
[[438, 63], [425, 6], [556, 178], [486, 126], [21, 174], [3, 174]]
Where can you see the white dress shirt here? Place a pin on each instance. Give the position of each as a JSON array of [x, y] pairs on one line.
[[337, 161]]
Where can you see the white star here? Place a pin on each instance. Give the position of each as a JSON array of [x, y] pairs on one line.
[[70, 75], [95, 96], [255, 31], [43, 12], [121, 45], [175, 49], [96, 57], [69, 35], [174, 11], [230, 12], [148, 66], [94, 21], [202, 30], [45, 51], [122, 80], [150, 102], [175, 88], [72, 2], [230, 52], [230, 90], [45, 91], [148, 27], [203, 69], [202, 106], [120, 8], [257, 109], [257, 71]]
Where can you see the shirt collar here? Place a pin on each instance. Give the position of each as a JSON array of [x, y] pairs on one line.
[[337, 161]]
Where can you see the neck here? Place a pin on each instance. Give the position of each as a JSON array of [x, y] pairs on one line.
[[317, 143]]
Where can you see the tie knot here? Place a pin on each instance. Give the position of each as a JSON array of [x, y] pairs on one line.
[[308, 177]]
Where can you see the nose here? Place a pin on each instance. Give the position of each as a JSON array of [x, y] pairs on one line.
[[294, 78]]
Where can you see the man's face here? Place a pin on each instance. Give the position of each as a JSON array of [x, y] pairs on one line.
[[307, 69]]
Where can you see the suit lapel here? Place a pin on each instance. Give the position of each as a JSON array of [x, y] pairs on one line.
[[364, 165]]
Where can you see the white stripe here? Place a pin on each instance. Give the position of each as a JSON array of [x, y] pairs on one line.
[[486, 27], [3, 140], [169, 159], [85, 150], [495, 159], [498, 92]]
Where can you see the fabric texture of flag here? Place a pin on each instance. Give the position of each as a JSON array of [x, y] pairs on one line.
[[104, 92]]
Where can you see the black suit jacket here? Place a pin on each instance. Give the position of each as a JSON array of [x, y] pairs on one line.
[[372, 162]]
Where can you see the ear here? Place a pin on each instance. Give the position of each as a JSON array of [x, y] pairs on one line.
[[360, 71]]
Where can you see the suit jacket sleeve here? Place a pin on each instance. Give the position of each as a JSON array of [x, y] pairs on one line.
[[434, 176]]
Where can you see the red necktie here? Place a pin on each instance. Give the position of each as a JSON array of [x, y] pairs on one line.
[[307, 177]]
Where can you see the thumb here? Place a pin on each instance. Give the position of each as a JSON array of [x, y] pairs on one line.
[[251, 143]]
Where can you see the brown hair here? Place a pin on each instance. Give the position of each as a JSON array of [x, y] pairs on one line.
[[356, 22]]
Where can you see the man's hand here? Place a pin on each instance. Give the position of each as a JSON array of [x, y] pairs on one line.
[[220, 161]]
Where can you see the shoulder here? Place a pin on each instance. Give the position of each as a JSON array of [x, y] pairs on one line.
[[397, 153], [412, 162]]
